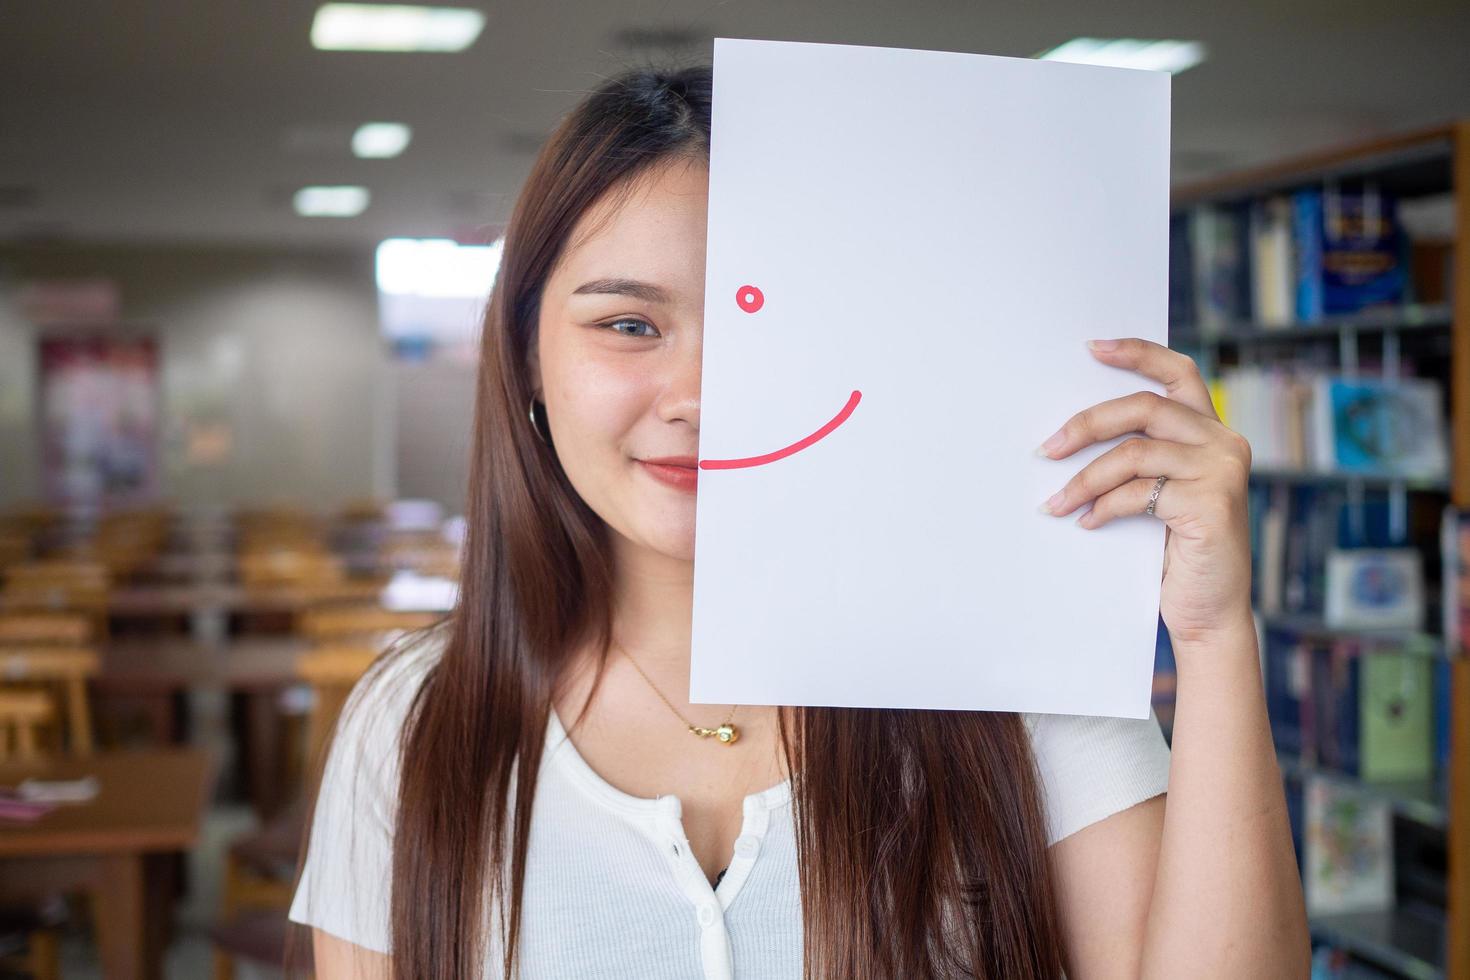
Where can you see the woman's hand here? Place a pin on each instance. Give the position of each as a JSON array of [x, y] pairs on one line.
[[1207, 562]]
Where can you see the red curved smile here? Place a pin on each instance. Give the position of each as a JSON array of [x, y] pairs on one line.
[[795, 447]]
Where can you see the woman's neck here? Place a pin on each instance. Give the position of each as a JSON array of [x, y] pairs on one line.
[[652, 609]]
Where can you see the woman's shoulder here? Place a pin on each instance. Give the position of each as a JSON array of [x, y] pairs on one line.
[[1091, 767]]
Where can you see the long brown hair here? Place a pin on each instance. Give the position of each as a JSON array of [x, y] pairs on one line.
[[920, 834]]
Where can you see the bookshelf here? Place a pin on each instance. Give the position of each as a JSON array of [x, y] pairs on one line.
[[1419, 939]]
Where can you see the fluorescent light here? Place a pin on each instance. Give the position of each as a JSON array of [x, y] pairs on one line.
[[1169, 56], [436, 267], [380, 140], [394, 27], [331, 202]]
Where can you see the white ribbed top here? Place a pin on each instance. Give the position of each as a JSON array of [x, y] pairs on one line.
[[612, 888]]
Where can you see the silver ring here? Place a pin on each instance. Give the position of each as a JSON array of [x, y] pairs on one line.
[[1153, 497]]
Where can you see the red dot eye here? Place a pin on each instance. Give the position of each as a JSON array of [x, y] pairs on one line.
[[750, 298]]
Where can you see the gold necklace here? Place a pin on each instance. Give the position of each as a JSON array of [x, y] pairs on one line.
[[726, 733]]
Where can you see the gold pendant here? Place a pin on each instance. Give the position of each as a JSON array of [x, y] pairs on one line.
[[726, 733]]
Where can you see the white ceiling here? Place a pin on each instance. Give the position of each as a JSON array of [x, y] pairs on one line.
[[195, 120]]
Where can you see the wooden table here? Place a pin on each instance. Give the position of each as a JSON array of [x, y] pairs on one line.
[[151, 673], [115, 847]]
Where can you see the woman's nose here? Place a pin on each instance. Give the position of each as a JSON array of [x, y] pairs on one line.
[[680, 398]]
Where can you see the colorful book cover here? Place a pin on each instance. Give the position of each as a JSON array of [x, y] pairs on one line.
[[1220, 403], [1388, 426], [1362, 251], [1454, 544], [1307, 230], [1375, 588], [1349, 849], [1396, 717]]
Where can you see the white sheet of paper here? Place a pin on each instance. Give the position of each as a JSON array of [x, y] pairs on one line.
[[942, 233]]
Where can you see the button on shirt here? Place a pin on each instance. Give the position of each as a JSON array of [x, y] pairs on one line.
[[612, 888]]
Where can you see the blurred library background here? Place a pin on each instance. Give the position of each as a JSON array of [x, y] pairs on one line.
[[243, 250]]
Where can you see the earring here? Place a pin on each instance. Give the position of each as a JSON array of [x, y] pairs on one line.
[[531, 412]]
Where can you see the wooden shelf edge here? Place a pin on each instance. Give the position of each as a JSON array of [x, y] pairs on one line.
[[1308, 165]]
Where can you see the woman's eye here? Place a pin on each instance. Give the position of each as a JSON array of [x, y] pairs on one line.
[[630, 327]]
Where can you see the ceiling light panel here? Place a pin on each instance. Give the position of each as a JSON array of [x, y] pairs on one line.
[[1170, 56], [380, 140], [394, 27], [331, 201]]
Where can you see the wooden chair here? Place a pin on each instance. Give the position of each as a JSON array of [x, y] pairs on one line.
[[122, 543], [57, 573], [288, 566], [259, 869], [69, 629], [260, 866], [23, 714], [282, 529], [64, 670], [59, 586], [294, 574], [255, 936]]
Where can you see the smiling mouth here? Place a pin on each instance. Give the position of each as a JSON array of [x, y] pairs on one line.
[[795, 447]]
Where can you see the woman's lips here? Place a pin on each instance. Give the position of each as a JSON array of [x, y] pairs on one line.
[[675, 473]]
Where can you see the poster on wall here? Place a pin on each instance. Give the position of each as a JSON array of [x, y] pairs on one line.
[[99, 419]]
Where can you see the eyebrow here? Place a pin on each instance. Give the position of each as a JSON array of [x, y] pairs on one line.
[[645, 291]]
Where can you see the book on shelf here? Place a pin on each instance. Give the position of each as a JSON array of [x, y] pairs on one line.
[[1348, 864], [1380, 426], [1219, 282], [1375, 588], [1294, 528], [1272, 263], [1351, 253], [1300, 417], [1367, 712], [1395, 736], [1454, 544], [1298, 257], [1306, 212]]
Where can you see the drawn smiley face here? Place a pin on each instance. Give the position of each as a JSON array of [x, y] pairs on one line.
[[750, 299]]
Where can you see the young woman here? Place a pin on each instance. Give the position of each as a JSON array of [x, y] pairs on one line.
[[463, 830]]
